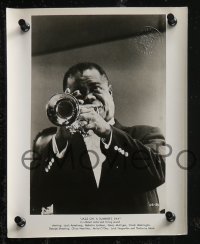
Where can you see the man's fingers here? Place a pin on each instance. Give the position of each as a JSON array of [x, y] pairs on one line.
[[83, 123], [90, 97], [80, 101], [87, 109], [85, 117], [91, 126], [67, 90]]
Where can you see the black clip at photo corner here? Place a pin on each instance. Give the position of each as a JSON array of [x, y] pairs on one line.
[[20, 221], [170, 216], [23, 25], [172, 21]]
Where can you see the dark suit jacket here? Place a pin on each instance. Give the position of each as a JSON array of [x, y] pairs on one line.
[[127, 184]]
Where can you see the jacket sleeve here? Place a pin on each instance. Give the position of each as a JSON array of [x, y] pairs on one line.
[[39, 180], [141, 162]]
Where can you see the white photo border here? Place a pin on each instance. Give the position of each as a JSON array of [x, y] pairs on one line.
[[19, 130]]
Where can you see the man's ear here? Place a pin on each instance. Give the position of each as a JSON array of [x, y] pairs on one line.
[[110, 89]]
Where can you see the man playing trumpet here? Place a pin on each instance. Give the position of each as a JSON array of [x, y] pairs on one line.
[[113, 170]]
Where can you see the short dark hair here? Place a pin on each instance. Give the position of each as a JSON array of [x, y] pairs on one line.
[[81, 67]]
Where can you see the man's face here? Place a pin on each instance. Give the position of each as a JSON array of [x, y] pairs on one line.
[[93, 88]]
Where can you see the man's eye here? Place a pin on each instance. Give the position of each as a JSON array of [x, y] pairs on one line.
[[97, 89]]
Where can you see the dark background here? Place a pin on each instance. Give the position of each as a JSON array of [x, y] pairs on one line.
[[193, 120]]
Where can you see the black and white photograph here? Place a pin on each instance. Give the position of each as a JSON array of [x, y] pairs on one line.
[[98, 114], [96, 146]]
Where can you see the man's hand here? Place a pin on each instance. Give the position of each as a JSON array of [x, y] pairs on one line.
[[91, 120]]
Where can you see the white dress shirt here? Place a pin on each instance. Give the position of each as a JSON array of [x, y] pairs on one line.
[[92, 142]]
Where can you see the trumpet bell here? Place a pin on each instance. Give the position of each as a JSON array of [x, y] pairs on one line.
[[63, 109]]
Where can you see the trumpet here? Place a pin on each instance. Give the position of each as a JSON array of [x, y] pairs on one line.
[[63, 109]]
